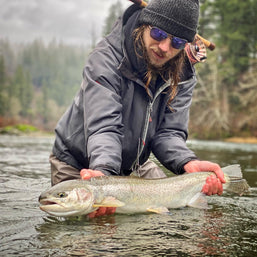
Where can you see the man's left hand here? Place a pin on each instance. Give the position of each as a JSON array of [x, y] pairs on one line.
[[87, 174], [213, 183]]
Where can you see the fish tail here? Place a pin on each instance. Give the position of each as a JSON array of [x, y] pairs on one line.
[[235, 183]]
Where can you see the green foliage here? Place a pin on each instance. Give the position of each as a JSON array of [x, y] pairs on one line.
[[225, 97], [18, 129], [23, 90], [42, 77], [58, 66], [3, 100], [2, 71], [233, 23]]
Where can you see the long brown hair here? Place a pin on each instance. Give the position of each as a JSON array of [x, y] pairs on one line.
[[170, 71]]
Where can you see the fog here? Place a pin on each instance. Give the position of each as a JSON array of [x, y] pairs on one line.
[[69, 21]]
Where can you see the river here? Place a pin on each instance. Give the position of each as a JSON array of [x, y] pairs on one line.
[[229, 228]]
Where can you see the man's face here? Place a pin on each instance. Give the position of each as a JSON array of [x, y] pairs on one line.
[[158, 52]]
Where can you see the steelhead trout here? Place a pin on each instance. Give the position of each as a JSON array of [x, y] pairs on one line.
[[135, 195]]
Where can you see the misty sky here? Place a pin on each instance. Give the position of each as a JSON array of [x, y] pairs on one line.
[[71, 21]]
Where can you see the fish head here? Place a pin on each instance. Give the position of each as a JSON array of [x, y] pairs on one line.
[[67, 199]]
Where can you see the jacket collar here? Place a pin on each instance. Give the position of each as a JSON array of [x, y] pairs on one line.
[[131, 66]]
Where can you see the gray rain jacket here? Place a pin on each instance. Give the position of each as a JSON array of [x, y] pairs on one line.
[[113, 124]]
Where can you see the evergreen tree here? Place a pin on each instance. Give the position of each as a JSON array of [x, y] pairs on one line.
[[206, 19], [34, 59], [56, 72], [24, 90], [9, 55], [2, 72], [3, 99], [114, 12], [42, 103], [237, 31]]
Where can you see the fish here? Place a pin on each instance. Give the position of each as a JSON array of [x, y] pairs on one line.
[[135, 195]]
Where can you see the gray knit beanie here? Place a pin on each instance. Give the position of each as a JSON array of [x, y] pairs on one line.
[[176, 17]]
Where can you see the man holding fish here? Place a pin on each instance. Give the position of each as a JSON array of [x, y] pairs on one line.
[[134, 100]]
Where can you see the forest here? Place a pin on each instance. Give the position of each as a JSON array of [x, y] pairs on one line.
[[39, 80]]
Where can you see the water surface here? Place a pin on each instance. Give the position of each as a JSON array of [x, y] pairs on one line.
[[227, 229]]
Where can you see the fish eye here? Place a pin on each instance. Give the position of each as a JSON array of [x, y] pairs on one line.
[[62, 194]]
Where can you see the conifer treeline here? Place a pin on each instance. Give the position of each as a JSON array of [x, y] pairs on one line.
[[39, 81]]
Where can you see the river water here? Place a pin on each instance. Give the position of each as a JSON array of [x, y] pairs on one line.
[[229, 228]]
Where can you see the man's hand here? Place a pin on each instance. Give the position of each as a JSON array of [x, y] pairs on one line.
[[213, 183], [87, 174]]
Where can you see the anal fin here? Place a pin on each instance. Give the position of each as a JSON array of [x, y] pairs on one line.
[[199, 201], [159, 210]]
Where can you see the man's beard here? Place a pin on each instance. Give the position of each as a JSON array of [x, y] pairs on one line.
[[152, 66]]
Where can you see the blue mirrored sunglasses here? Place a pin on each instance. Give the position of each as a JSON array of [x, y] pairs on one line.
[[159, 35]]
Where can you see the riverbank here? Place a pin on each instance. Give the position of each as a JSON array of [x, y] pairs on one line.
[[245, 140], [28, 130], [24, 130]]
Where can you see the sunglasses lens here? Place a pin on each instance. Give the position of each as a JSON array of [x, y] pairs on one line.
[[158, 34], [178, 43]]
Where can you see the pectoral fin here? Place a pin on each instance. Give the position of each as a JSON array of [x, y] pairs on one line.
[[199, 201], [159, 210], [109, 201]]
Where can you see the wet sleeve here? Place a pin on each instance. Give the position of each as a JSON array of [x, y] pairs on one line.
[[103, 117]]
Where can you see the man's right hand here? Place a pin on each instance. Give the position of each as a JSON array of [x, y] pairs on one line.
[[87, 174]]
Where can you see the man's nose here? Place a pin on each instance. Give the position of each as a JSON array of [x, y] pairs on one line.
[[165, 45]]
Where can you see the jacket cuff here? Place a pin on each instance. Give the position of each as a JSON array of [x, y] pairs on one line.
[[106, 170], [183, 163]]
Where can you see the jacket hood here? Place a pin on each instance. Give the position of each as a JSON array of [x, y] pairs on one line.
[[130, 23], [122, 40]]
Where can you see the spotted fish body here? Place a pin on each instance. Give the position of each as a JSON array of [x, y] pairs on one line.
[[135, 195]]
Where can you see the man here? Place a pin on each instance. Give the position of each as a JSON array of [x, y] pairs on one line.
[[134, 99]]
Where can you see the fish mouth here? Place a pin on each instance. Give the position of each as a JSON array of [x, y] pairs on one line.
[[47, 202], [57, 208], [49, 205]]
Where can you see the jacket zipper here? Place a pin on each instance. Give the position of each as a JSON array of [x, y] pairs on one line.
[[149, 109]]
